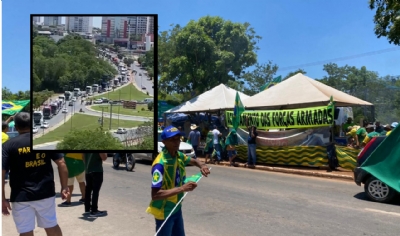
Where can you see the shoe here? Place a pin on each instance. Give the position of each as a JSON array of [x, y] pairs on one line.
[[82, 200], [65, 204], [97, 213]]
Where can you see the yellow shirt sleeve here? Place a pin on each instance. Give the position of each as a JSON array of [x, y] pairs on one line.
[[387, 133], [4, 137]]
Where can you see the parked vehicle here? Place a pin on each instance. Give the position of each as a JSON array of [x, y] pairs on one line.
[[35, 130], [375, 189], [185, 148], [121, 131], [124, 158]]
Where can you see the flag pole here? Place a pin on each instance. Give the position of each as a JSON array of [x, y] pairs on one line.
[[176, 207]]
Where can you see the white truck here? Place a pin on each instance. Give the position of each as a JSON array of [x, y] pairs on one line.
[[77, 92], [95, 88], [37, 117], [62, 98], [88, 90]]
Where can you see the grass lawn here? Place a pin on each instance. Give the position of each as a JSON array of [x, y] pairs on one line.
[[127, 93], [80, 121], [125, 111]]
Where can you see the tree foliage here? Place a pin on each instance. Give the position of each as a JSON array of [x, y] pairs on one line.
[[387, 19], [290, 74], [383, 92], [69, 62], [89, 140], [262, 74], [205, 53]]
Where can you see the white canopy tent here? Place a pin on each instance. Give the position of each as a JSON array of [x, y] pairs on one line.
[[300, 91], [219, 98]]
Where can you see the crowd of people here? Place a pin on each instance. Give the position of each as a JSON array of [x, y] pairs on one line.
[[217, 145], [359, 136]]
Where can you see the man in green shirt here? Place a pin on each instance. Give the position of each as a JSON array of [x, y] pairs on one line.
[[94, 180], [346, 126]]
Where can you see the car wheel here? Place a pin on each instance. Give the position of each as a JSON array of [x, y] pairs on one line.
[[378, 191], [115, 161], [130, 162]]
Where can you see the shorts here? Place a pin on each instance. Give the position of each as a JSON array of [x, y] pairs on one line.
[[209, 151], [24, 214], [80, 178], [232, 153]]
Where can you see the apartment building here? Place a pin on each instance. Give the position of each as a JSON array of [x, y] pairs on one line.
[[51, 20], [79, 24]]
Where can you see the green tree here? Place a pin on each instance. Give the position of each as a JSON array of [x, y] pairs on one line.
[[387, 19], [262, 74], [290, 74], [205, 53], [72, 61], [120, 56], [89, 140]]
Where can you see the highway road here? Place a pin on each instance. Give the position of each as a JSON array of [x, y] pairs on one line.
[[230, 202], [142, 80]]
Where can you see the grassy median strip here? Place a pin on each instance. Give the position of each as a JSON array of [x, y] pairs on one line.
[[83, 122], [125, 111], [126, 93]]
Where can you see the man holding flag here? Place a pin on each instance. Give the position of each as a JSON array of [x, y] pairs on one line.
[[169, 184]]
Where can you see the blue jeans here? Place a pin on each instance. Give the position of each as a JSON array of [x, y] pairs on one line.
[[251, 154], [173, 226], [217, 148]]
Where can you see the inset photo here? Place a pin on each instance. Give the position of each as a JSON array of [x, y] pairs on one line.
[[93, 82]]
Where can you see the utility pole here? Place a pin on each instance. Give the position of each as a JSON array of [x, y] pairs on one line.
[[102, 116], [111, 105], [119, 105]]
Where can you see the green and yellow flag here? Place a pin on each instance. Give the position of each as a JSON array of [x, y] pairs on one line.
[[238, 109], [74, 162], [12, 107], [194, 178], [272, 83]]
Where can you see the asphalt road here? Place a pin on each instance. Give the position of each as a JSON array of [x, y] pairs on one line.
[[143, 80], [233, 201], [61, 117]]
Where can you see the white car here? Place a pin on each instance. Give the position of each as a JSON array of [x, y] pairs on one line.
[[45, 125], [74, 99], [35, 130], [64, 110], [121, 131], [98, 101], [185, 148]]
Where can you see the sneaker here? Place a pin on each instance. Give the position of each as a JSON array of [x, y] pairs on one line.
[[82, 200], [97, 213], [65, 204]]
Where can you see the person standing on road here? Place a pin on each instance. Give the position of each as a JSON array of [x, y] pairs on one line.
[[169, 174], [31, 182], [194, 138], [76, 170], [94, 180], [251, 145], [230, 142], [217, 145]]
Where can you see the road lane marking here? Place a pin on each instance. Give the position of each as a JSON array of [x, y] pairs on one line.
[[383, 212]]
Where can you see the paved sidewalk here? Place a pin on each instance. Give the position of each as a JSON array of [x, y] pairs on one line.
[[340, 173]]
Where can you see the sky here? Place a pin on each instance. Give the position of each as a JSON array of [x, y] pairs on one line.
[[294, 32]]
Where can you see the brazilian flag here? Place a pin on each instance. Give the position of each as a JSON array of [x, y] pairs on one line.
[[384, 161], [194, 178], [12, 107], [272, 83], [238, 109]]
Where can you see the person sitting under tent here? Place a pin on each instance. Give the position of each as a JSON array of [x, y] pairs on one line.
[[358, 133], [391, 127]]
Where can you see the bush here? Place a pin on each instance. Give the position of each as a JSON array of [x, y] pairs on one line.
[[150, 106]]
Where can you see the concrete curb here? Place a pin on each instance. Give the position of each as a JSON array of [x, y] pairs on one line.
[[294, 171], [140, 117]]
